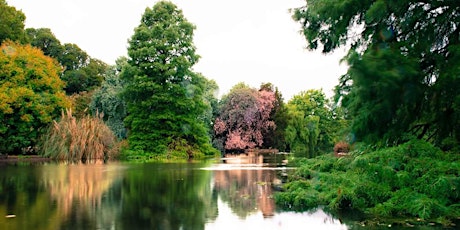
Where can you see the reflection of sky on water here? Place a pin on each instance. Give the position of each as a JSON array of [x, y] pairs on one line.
[[238, 181], [283, 220]]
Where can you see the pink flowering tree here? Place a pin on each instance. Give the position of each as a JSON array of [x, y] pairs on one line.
[[244, 116]]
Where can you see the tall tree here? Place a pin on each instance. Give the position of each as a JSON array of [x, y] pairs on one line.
[[31, 95], [45, 40], [406, 51], [314, 125], [81, 72], [165, 98], [11, 23], [244, 116], [274, 137], [107, 99]]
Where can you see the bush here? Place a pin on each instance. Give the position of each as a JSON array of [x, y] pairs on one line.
[[413, 180], [79, 139], [341, 148]]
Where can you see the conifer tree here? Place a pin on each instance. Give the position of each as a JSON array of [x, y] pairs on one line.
[[165, 98]]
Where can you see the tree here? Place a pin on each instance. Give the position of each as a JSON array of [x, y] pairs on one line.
[[107, 99], [31, 95], [274, 137], [11, 23], [86, 77], [45, 40], [313, 125], [81, 72], [406, 51], [165, 98], [244, 116]]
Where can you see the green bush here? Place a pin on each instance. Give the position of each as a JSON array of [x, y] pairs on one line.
[[413, 180]]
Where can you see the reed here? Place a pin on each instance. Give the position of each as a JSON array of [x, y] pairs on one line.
[[79, 139]]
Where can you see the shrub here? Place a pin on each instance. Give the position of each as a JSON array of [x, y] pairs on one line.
[[79, 139], [341, 148], [414, 180]]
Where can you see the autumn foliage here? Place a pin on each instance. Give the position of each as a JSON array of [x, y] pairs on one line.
[[243, 118], [31, 95], [341, 148]]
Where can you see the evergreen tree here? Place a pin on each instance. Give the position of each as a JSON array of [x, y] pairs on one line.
[[165, 98], [107, 99], [403, 61]]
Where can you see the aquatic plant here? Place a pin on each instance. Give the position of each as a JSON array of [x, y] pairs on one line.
[[79, 139], [413, 180]]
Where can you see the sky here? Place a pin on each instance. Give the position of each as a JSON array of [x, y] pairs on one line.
[[250, 41]]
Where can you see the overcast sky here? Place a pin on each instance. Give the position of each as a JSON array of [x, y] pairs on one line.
[[251, 41]]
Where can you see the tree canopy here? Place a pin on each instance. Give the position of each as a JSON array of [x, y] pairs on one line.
[[80, 71], [313, 125], [244, 116], [107, 99], [11, 23], [404, 62], [165, 98], [31, 95]]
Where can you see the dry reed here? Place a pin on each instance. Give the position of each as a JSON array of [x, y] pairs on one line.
[[79, 139]]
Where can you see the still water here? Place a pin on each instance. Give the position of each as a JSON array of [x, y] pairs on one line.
[[222, 194]]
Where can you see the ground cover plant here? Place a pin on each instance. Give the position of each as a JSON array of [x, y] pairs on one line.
[[414, 180]]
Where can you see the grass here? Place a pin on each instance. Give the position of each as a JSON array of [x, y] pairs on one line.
[[414, 180], [79, 139]]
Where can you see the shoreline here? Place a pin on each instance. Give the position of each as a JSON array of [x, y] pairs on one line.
[[24, 158]]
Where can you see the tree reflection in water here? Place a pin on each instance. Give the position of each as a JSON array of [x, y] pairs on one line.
[[202, 195]]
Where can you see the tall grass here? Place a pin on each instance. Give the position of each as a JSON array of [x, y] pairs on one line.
[[79, 139]]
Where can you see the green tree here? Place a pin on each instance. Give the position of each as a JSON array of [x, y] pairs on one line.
[[313, 125], [404, 60], [275, 136], [31, 95], [210, 97], [165, 98], [107, 99], [11, 23], [45, 40], [85, 78], [81, 72]]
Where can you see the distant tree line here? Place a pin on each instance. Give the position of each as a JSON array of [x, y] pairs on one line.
[[152, 98]]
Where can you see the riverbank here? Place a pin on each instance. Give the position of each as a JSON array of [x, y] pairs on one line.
[[414, 181], [15, 159]]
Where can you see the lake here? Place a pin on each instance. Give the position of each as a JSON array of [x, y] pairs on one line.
[[231, 193]]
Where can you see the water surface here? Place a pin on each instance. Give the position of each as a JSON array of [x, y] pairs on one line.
[[97, 195]]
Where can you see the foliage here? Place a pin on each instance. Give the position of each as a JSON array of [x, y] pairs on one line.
[[165, 98], [411, 180], [313, 125], [80, 103], [44, 39], [341, 147], [274, 137], [79, 139], [244, 115], [403, 61], [81, 72], [210, 99], [11, 23], [31, 95], [86, 76], [107, 100]]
